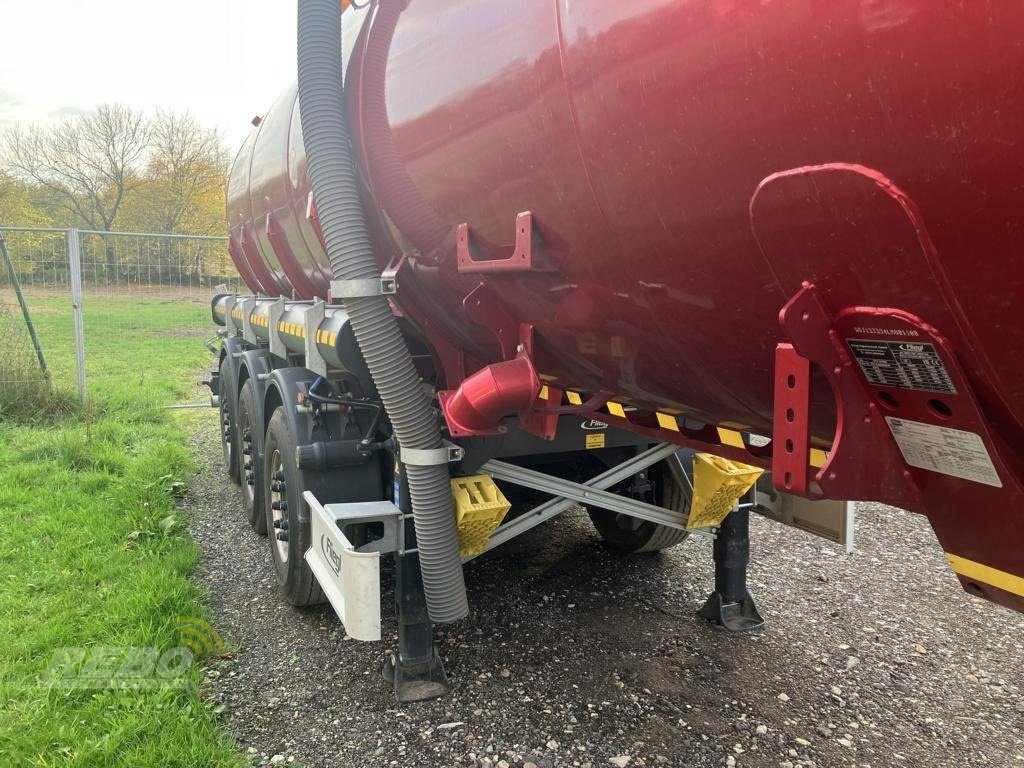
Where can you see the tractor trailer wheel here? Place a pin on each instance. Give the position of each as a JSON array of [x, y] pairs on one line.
[[635, 536], [229, 434], [289, 538], [251, 468]]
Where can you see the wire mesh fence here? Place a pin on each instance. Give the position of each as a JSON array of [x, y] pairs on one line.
[[141, 294]]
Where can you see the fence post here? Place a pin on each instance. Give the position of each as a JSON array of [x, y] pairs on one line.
[[75, 268]]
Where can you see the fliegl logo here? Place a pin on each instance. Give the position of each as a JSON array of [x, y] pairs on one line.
[[198, 636], [591, 424], [333, 558]]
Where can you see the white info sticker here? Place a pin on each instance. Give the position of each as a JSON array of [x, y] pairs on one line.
[[941, 449]]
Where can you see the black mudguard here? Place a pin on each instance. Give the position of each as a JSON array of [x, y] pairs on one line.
[[362, 482]]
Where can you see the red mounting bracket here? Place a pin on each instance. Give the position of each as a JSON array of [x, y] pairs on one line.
[[865, 462], [520, 257]]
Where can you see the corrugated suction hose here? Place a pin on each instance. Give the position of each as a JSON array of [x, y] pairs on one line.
[[331, 170]]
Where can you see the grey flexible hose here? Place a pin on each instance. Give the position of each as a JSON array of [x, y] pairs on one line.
[[326, 135]]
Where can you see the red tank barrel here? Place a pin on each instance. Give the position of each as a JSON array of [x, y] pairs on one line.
[[647, 185]]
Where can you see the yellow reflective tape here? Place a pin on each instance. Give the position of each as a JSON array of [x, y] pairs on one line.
[[544, 392], [730, 437], [280, 326], [574, 398], [615, 409], [332, 338], [818, 457], [302, 331], [667, 421], [986, 574]]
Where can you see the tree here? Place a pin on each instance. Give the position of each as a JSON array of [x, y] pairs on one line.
[[18, 208], [184, 179], [88, 163]]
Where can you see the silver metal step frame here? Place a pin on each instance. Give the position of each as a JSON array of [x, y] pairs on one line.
[[350, 578]]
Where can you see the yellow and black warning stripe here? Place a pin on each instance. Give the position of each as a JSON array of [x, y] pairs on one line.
[[668, 419], [292, 329], [986, 574], [326, 337]]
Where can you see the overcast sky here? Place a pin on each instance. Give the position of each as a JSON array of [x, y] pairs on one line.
[[224, 60]]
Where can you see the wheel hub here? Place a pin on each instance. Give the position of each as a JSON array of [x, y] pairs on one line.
[[278, 506]]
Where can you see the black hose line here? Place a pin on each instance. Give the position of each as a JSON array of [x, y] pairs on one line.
[[335, 190]]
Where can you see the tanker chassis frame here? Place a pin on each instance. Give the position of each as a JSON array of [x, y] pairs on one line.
[[306, 437]]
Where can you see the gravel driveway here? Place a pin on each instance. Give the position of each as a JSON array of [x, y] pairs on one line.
[[577, 656]]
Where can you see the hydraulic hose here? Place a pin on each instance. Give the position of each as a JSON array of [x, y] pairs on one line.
[[335, 189]]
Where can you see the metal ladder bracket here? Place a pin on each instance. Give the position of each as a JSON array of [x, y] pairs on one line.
[[248, 306], [274, 314], [229, 320], [313, 317]]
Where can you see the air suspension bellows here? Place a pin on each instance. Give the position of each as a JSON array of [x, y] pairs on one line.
[[326, 136]]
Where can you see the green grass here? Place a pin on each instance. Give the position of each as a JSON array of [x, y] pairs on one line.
[[93, 551]]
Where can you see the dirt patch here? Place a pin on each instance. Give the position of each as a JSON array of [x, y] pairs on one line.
[[574, 655]]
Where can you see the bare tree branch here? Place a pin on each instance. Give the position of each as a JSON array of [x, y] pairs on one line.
[[89, 162]]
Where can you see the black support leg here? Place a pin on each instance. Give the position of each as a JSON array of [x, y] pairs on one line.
[[415, 669], [730, 606]]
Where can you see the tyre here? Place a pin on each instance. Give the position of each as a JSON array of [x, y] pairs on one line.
[[282, 494], [633, 535], [228, 431], [251, 468]]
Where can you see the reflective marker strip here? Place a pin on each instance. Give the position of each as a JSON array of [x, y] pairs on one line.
[[730, 437], [574, 398], [615, 409], [986, 574], [818, 458], [543, 392], [667, 421]]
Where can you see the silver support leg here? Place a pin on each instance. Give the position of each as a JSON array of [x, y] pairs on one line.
[[75, 270]]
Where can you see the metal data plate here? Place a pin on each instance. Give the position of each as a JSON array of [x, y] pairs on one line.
[[827, 518], [349, 579]]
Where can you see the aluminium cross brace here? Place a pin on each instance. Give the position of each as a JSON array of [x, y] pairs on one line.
[[591, 492], [554, 507]]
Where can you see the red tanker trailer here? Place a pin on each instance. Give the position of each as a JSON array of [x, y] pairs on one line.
[[548, 245]]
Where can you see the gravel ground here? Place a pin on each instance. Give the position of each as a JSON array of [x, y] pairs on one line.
[[576, 656]]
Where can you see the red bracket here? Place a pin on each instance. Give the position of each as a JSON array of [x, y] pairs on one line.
[[865, 462], [792, 431], [519, 258]]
